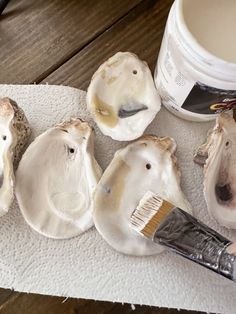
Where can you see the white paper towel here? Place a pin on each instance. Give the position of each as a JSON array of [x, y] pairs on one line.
[[86, 267]]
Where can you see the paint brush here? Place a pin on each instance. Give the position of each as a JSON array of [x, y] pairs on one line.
[[170, 226]]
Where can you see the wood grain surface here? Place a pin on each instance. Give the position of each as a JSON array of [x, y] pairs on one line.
[[37, 37], [22, 303], [140, 31], [5, 295], [64, 42]]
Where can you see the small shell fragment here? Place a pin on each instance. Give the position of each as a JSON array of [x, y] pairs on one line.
[[147, 164], [56, 179], [14, 135], [122, 97]]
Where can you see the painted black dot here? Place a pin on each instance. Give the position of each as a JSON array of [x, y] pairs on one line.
[[148, 166], [72, 150], [224, 192], [108, 190], [4, 137], [135, 72], [227, 143]]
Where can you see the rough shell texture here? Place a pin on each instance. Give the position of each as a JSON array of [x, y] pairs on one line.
[[148, 164], [56, 178], [122, 97], [14, 134], [218, 155]]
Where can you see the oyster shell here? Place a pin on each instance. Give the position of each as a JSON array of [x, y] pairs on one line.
[[56, 178], [14, 134], [148, 164], [218, 155], [122, 97]]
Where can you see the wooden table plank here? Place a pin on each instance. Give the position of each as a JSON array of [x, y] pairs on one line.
[[38, 36], [39, 304], [140, 32], [5, 294]]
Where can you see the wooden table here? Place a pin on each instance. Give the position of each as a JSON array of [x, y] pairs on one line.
[[64, 42]]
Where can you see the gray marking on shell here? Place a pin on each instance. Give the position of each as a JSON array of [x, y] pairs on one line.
[[200, 159], [224, 193], [22, 132], [1, 179], [131, 109]]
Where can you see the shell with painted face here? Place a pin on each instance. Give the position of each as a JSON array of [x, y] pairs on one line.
[[56, 178], [148, 164], [122, 97], [218, 155], [14, 135]]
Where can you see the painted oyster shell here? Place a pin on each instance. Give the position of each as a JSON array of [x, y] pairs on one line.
[[14, 134], [122, 97], [56, 179], [218, 155], [148, 164]]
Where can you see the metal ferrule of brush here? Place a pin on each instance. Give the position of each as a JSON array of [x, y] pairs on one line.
[[192, 239]]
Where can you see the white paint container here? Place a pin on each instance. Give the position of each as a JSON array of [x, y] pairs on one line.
[[196, 68]]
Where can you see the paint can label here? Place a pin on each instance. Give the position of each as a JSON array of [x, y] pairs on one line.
[[178, 90]]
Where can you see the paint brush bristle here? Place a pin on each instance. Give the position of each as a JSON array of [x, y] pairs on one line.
[[149, 214]]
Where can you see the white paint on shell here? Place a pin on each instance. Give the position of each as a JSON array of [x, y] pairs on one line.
[[124, 80], [54, 185], [112, 217]]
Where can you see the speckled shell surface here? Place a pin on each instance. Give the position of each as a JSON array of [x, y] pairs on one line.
[[14, 135], [56, 198], [147, 164], [219, 155], [122, 97]]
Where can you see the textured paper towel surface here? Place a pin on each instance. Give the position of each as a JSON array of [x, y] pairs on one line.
[[86, 267]]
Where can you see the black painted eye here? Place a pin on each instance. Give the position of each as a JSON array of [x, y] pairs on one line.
[[4, 137], [148, 166], [71, 150], [135, 72], [228, 144]]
